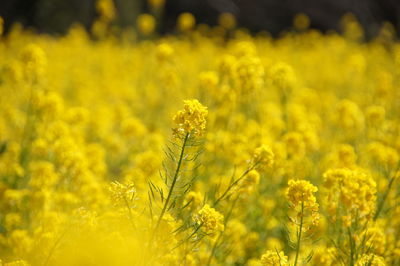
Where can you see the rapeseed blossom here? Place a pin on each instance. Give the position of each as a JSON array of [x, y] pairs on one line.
[[274, 258], [192, 119], [274, 159], [210, 219]]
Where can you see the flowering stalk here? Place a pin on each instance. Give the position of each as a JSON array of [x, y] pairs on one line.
[[233, 184], [263, 158], [34, 62], [351, 247], [299, 234], [300, 195], [171, 189], [382, 202], [214, 248], [221, 233]]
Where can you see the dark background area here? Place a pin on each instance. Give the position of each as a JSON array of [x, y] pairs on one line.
[[274, 16]]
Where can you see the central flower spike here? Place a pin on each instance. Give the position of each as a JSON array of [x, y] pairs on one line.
[[191, 120]]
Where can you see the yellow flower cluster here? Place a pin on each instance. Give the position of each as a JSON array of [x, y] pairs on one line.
[[122, 194], [263, 157], [192, 119], [294, 161], [300, 194], [209, 219], [274, 258], [352, 190], [373, 260], [34, 62], [106, 9]]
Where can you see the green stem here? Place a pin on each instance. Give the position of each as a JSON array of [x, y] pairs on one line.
[[27, 132], [188, 238], [130, 213], [299, 234], [53, 248], [234, 183], [351, 247], [214, 248], [382, 202], [178, 167]]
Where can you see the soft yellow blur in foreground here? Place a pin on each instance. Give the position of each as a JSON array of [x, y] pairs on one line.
[[299, 138]]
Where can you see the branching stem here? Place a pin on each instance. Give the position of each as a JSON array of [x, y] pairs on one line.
[[175, 178], [299, 234]]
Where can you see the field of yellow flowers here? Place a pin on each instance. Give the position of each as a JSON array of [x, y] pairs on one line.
[[208, 147]]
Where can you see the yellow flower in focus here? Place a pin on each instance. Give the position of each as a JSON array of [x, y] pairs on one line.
[[301, 192], [191, 120], [300, 195], [210, 219]]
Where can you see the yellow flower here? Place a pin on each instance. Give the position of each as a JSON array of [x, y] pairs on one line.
[[210, 219], [156, 3], [194, 198], [42, 175], [295, 144], [274, 258], [301, 21], [352, 189], [132, 127], [146, 24], [371, 260], [164, 52], [122, 194], [301, 193], [106, 9], [282, 76], [1, 26], [192, 119], [34, 61], [186, 21], [209, 79], [17, 263], [227, 20], [249, 74], [248, 184], [375, 115], [263, 157]]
